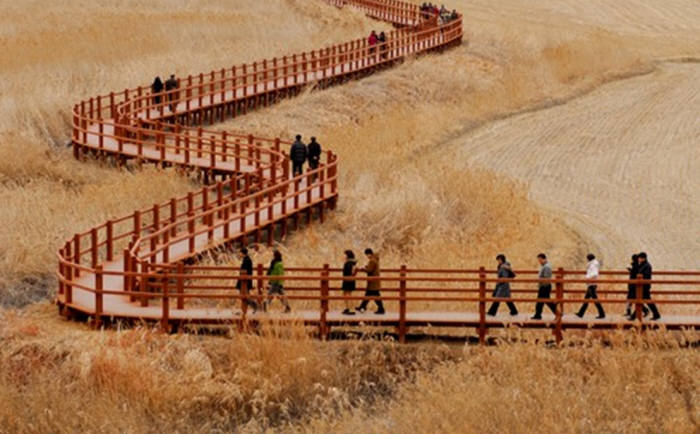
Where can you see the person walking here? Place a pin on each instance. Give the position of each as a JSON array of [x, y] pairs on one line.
[[544, 288], [632, 288], [349, 270], [246, 270], [383, 48], [297, 153], [592, 272], [372, 42], [171, 86], [276, 288], [156, 89], [645, 271], [373, 286], [502, 289], [314, 153]]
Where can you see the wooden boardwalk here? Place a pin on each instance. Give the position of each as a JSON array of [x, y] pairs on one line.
[[132, 267]]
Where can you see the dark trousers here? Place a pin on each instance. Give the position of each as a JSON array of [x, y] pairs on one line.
[[297, 167], [544, 292], [494, 308], [591, 294], [646, 295], [372, 293]]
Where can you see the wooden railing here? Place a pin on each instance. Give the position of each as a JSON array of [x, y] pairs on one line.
[[256, 193], [181, 294]]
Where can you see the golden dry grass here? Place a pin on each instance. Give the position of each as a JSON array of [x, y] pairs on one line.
[[434, 207], [60, 377]]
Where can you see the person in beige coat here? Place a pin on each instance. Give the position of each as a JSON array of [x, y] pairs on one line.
[[373, 286]]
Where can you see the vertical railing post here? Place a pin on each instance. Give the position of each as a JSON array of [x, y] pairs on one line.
[[99, 303], [402, 305], [76, 254], [245, 284], [144, 284], [260, 282], [165, 317], [110, 241], [126, 258], [482, 305], [639, 294], [323, 324], [93, 247], [180, 285], [69, 279], [560, 305]]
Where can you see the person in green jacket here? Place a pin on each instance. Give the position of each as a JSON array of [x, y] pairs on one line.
[[276, 288]]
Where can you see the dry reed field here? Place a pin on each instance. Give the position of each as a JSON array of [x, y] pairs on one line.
[[559, 126]]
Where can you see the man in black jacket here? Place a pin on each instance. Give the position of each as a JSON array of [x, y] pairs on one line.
[[645, 272], [314, 151], [247, 270], [171, 86], [297, 154]]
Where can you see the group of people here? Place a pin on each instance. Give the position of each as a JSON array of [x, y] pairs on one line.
[[300, 153], [428, 9], [170, 87], [375, 39], [275, 288], [640, 267]]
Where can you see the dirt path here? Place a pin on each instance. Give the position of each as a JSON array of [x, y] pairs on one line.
[[621, 165]]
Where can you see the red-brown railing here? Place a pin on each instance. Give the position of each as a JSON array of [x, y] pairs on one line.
[[256, 186], [413, 298]]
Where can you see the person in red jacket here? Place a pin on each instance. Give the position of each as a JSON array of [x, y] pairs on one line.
[[372, 41]]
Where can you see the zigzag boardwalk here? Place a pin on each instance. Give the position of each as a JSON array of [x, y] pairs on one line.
[[133, 267]]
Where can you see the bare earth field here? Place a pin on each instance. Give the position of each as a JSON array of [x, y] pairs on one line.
[[559, 125]]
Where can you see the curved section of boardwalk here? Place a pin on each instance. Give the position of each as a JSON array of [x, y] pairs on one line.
[[136, 267]]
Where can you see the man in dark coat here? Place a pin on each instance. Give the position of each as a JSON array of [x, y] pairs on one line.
[[298, 154], [171, 86], [645, 272], [502, 289], [247, 270], [632, 288], [314, 151], [156, 89]]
